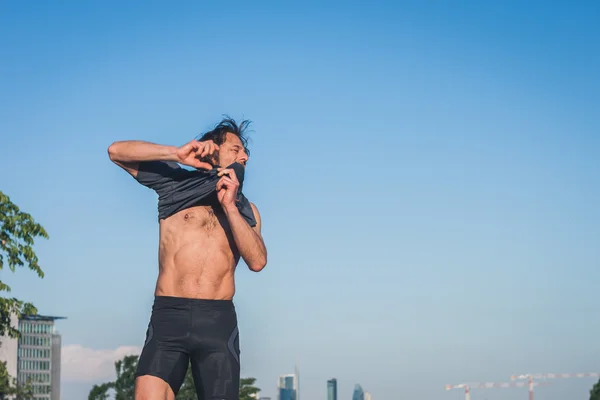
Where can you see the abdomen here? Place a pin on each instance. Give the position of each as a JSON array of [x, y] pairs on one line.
[[195, 263]]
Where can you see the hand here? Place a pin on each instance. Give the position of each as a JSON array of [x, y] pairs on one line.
[[227, 187], [191, 153]]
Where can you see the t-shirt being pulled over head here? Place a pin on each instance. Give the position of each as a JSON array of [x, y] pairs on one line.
[[179, 188]]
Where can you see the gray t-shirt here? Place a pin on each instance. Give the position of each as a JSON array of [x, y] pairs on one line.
[[179, 188]]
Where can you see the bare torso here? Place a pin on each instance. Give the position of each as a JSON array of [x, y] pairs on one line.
[[197, 255]]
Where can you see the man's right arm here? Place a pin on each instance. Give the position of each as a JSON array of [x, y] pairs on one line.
[[128, 154]]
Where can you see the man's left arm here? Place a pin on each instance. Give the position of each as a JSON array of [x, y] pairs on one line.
[[248, 239]]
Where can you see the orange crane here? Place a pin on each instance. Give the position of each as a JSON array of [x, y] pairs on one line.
[[530, 378], [489, 385]]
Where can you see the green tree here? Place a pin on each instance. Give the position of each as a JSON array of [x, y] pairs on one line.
[[124, 385], [247, 389], [18, 231], [595, 391], [9, 387], [187, 390], [100, 392], [6, 386]]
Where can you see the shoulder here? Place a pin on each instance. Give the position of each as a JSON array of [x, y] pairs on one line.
[[255, 210], [256, 216]]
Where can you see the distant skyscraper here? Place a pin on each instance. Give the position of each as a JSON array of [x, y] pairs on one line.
[[288, 388], [358, 394], [368, 396], [332, 389]]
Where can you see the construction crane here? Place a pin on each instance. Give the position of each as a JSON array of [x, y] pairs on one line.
[[531, 378], [489, 385]]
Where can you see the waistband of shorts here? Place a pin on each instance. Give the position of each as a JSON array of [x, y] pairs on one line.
[[188, 301]]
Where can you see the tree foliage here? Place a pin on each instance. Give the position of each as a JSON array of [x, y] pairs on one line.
[[18, 231], [595, 391], [124, 385], [9, 387], [247, 389], [100, 392], [187, 390]]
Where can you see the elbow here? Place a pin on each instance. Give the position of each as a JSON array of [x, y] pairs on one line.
[[113, 151], [258, 265]]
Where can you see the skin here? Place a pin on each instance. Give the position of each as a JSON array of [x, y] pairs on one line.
[[199, 247]]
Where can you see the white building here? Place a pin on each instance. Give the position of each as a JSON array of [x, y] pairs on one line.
[[35, 357]]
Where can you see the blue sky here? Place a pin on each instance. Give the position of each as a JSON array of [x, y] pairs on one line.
[[427, 176]]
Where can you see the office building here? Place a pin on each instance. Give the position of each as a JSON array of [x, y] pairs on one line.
[[38, 356], [358, 394], [288, 387], [35, 356], [368, 396], [332, 389]]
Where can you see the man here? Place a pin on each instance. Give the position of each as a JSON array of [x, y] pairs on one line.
[[205, 225]]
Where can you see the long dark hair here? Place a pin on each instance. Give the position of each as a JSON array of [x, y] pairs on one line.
[[228, 125]]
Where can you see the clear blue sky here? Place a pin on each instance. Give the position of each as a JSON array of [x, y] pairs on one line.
[[428, 175]]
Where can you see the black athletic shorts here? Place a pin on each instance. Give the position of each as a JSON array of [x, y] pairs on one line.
[[201, 332]]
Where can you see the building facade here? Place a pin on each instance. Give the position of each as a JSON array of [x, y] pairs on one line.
[[332, 389], [38, 356], [288, 387], [358, 393]]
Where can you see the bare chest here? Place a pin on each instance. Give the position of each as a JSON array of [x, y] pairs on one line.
[[199, 232], [207, 218]]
